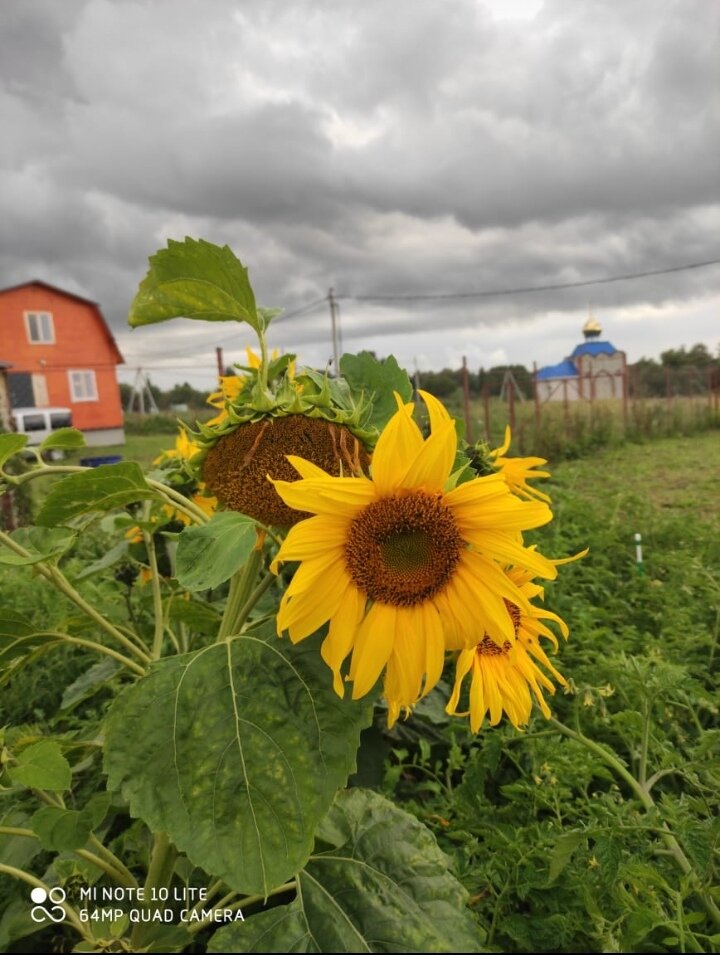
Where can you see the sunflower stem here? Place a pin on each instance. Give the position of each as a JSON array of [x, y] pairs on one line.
[[648, 803], [52, 573], [241, 590], [72, 916], [159, 627], [162, 863]]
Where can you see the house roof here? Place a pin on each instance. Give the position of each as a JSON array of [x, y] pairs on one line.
[[593, 348], [78, 298], [566, 369]]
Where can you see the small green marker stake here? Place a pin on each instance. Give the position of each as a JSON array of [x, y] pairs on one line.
[[638, 554]]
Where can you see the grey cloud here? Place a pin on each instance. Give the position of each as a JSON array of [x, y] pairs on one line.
[[433, 149]]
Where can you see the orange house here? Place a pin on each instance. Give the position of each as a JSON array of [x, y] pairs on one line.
[[62, 354]]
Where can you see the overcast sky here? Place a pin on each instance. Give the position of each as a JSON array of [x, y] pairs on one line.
[[387, 147]]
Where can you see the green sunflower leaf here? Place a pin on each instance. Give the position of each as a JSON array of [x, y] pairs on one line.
[[211, 553], [97, 489], [39, 543], [65, 438], [384, 887], [196, 279], [236, 751], [10, 444], [378, 380], [42, 766]]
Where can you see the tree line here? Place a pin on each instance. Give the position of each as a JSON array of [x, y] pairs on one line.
[[687, 368]]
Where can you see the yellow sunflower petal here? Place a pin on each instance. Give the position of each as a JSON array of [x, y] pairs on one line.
[[462, 667], [398, 446], [341, 496], [433, 464], [306, 469], [502, 547], [338, 643], [505, 446], [311, 538], [373, 645]]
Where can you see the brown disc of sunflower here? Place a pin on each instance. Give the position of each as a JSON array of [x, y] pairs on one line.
[[236, 469]]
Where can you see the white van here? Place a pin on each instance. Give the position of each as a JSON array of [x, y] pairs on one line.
[[38, 423]]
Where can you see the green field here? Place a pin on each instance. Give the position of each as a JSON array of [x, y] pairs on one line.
[[551, 839]]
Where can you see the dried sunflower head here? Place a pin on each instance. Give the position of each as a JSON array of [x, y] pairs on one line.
[[306, 414]]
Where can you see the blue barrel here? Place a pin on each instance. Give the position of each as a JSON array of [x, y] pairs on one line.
[[99, 461]]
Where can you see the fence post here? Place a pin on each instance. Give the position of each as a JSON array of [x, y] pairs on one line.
[[537, 399], [566, 406], [625, 392], [466, 403], [486, 410], [511, 405]]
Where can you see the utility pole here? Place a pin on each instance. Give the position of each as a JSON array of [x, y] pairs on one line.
[[466, 402], [333, 321], [141, 389], [221, 366]]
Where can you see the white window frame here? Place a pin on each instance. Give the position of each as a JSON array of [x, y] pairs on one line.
[[81, 392], [50, 328]]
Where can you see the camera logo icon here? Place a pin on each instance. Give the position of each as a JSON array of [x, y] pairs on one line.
[[48, 904]]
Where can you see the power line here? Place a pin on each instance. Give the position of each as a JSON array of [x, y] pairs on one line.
[[519, 290]]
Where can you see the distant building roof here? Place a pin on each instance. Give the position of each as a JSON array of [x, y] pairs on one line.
[[78, 298], [594, 348], [566, 369]]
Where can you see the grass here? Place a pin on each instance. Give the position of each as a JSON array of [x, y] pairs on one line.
[[559, 433], [551, 843]]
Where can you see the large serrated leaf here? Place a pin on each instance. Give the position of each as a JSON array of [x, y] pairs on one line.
[[386, 887], [98, 489], [195, 279], [211, 553], [378, 379], [236, 752], [40, 543], [10, 444]]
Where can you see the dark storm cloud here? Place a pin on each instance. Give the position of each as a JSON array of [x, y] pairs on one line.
[[419, 147]]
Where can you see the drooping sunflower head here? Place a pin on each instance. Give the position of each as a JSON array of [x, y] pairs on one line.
[[236, 468], [275, 412]]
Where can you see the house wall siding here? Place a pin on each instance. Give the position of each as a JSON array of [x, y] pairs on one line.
[[81, 344]]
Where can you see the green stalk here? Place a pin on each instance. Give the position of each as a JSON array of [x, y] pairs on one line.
[[246, 901], [644, 747], [264, 369], [107, 867], [241, 589], [265, 583], [171, 496], [648, 803], [103, 850], [72, 916], [59, 580], [98, 648], [162, 863], [155, 582]]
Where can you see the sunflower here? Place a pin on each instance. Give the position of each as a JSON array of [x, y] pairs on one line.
[[517, 471], [404, 565], [184, 448], [506, 678]]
